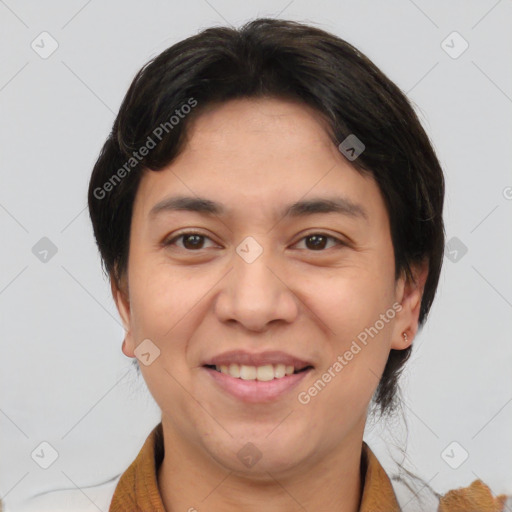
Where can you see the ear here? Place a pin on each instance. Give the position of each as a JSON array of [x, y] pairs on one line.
[[121, 298], [409, 294]]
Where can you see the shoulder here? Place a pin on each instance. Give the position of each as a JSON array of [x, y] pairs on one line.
[[477, 496], [85, 499]]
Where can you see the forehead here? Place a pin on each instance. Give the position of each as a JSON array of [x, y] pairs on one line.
[[260, 115], [264, 153]]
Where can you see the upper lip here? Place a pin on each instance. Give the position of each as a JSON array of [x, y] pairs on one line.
[[257, 359]]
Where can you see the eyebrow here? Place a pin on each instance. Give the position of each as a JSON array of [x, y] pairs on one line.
[[303, 208]]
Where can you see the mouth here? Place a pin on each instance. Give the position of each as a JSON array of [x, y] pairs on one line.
[[256, 384], [256, 377], [263, 373]]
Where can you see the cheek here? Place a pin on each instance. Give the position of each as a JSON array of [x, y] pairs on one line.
[[161, 296], [350, 300], [164, 301], [351, 306]]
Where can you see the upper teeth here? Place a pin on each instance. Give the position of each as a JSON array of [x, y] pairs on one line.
[[263, 373]]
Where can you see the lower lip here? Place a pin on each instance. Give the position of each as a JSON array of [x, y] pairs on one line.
[[254, 391]]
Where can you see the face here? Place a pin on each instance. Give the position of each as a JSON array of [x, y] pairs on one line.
[[246, 283]]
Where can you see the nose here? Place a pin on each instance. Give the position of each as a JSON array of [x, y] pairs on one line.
[[256, 293]]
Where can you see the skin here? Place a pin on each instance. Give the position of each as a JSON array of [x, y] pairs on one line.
[[255, 157]]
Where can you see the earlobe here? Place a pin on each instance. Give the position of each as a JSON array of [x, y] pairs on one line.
[[128, 352], [122, 302], [407, 321]]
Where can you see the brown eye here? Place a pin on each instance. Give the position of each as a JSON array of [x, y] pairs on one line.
[[318, 241], [191, 241]]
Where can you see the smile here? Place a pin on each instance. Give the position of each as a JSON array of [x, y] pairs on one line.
[[263, 373], [256, 384]]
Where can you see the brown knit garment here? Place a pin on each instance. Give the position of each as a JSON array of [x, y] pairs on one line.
[[137, 489], [477, 497]]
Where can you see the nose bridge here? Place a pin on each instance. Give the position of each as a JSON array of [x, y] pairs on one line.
[[254, 278], [254, 295]]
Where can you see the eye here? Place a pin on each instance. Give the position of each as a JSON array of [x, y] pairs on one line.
[[191, 240], [195, 241], [317, 241]]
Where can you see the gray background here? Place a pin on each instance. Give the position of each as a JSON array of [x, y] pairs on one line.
[[64, 379]]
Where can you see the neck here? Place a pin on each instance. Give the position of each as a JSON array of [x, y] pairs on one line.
[[190, 480]]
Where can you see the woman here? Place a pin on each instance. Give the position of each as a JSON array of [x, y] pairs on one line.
[[268, 209]]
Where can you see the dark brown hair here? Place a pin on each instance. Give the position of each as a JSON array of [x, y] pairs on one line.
[[289, 60]]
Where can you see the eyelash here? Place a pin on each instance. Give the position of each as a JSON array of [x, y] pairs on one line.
[[172, 241]]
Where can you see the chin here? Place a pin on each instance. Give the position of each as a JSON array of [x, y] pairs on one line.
[[258, 454]]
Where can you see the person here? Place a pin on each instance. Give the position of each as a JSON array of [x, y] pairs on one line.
[[269, 211]]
